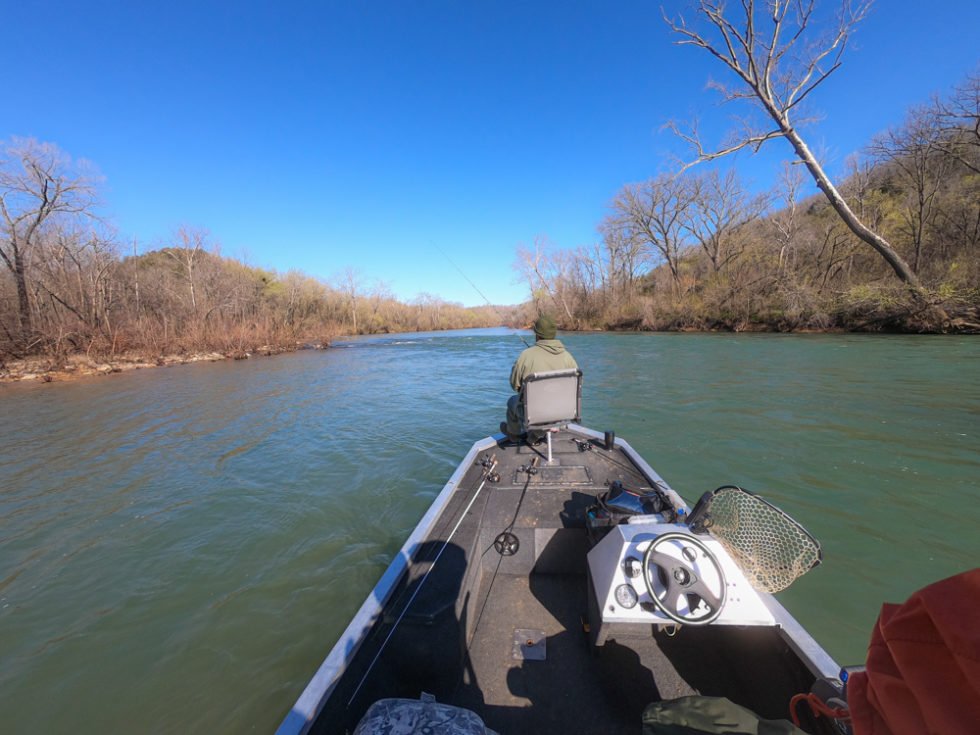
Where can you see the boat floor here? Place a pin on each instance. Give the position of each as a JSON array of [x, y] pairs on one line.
[[455, 624], [514, 695]]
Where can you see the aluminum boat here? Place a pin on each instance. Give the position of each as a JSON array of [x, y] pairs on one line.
[[527, 602]]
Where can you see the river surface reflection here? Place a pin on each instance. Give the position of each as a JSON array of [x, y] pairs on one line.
[[180, 547]]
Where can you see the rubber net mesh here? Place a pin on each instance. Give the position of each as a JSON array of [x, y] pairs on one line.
[[769, 546]]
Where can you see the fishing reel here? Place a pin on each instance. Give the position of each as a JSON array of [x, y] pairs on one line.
[[489, 465], [531, 469]]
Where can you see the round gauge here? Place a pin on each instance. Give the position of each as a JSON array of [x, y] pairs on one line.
[[632, 567], [626, 596]]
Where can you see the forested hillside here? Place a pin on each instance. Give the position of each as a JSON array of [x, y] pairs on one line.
[[701, 250], [69, 288]]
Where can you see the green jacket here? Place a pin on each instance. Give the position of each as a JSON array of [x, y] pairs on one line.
[[544, 355]]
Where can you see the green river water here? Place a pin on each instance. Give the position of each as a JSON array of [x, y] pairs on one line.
[[180, 547]]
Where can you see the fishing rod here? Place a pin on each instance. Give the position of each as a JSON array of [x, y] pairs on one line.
[[460, 271], [489, 467], [506, 543]]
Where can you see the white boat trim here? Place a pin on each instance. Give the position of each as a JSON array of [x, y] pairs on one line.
[[304, 713]]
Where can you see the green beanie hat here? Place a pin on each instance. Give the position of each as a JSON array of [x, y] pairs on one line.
[[545, 327]]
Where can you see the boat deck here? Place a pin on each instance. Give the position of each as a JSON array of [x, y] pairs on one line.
[[506, 635], [541, 589]]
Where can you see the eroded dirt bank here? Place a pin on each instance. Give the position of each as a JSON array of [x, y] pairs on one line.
[[49, 370]]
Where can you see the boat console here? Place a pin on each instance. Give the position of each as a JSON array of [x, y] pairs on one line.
[[647, 572]]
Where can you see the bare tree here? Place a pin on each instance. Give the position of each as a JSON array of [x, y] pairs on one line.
[[652, 215], [350, 283], [862, 187], [720, 207], [301, 302], [73, 275], [626, 255], [959, 120], [190, 245], [786, 222], [913, 152], [381, 297], [429, 315], [38, 186], [589, 279], [548, 268], [779, 55]]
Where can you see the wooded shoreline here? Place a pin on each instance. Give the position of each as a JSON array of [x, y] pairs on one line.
[[79, 366], [686, 251]]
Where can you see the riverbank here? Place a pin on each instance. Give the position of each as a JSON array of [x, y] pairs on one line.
[[80, 365], [75, 367]]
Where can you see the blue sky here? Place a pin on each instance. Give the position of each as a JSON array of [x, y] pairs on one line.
[[319, 136]]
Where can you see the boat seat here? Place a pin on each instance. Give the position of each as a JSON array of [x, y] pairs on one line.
[[552, 400]]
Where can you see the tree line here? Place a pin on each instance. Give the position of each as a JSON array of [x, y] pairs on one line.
[[68, 284], [700, 249], [893, 246]]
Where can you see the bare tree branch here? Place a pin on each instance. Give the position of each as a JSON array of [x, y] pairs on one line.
[[777, 81]]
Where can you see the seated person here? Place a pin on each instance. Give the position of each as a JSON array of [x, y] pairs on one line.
[[546, 354]]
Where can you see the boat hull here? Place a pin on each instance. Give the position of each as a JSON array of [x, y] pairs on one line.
[[513, 630]]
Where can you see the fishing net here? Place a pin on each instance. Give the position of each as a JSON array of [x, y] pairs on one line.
[[770, 547]]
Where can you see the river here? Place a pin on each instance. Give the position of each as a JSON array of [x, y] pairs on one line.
[[180, 547]]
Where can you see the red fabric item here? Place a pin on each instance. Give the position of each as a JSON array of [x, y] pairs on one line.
[[923, 671]]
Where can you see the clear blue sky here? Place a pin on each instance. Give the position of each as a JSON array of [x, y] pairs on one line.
[[325, 135]]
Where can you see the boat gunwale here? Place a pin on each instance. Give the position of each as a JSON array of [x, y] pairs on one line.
[[307, 708], [818, 661]]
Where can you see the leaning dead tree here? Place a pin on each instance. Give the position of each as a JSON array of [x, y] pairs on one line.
[[780, 54]]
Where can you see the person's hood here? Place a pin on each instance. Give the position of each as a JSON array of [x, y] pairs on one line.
[[554, 346]]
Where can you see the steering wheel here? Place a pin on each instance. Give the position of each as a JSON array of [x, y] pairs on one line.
[[684, 579]]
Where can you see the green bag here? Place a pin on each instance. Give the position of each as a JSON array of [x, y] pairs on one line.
[[709, 715]]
